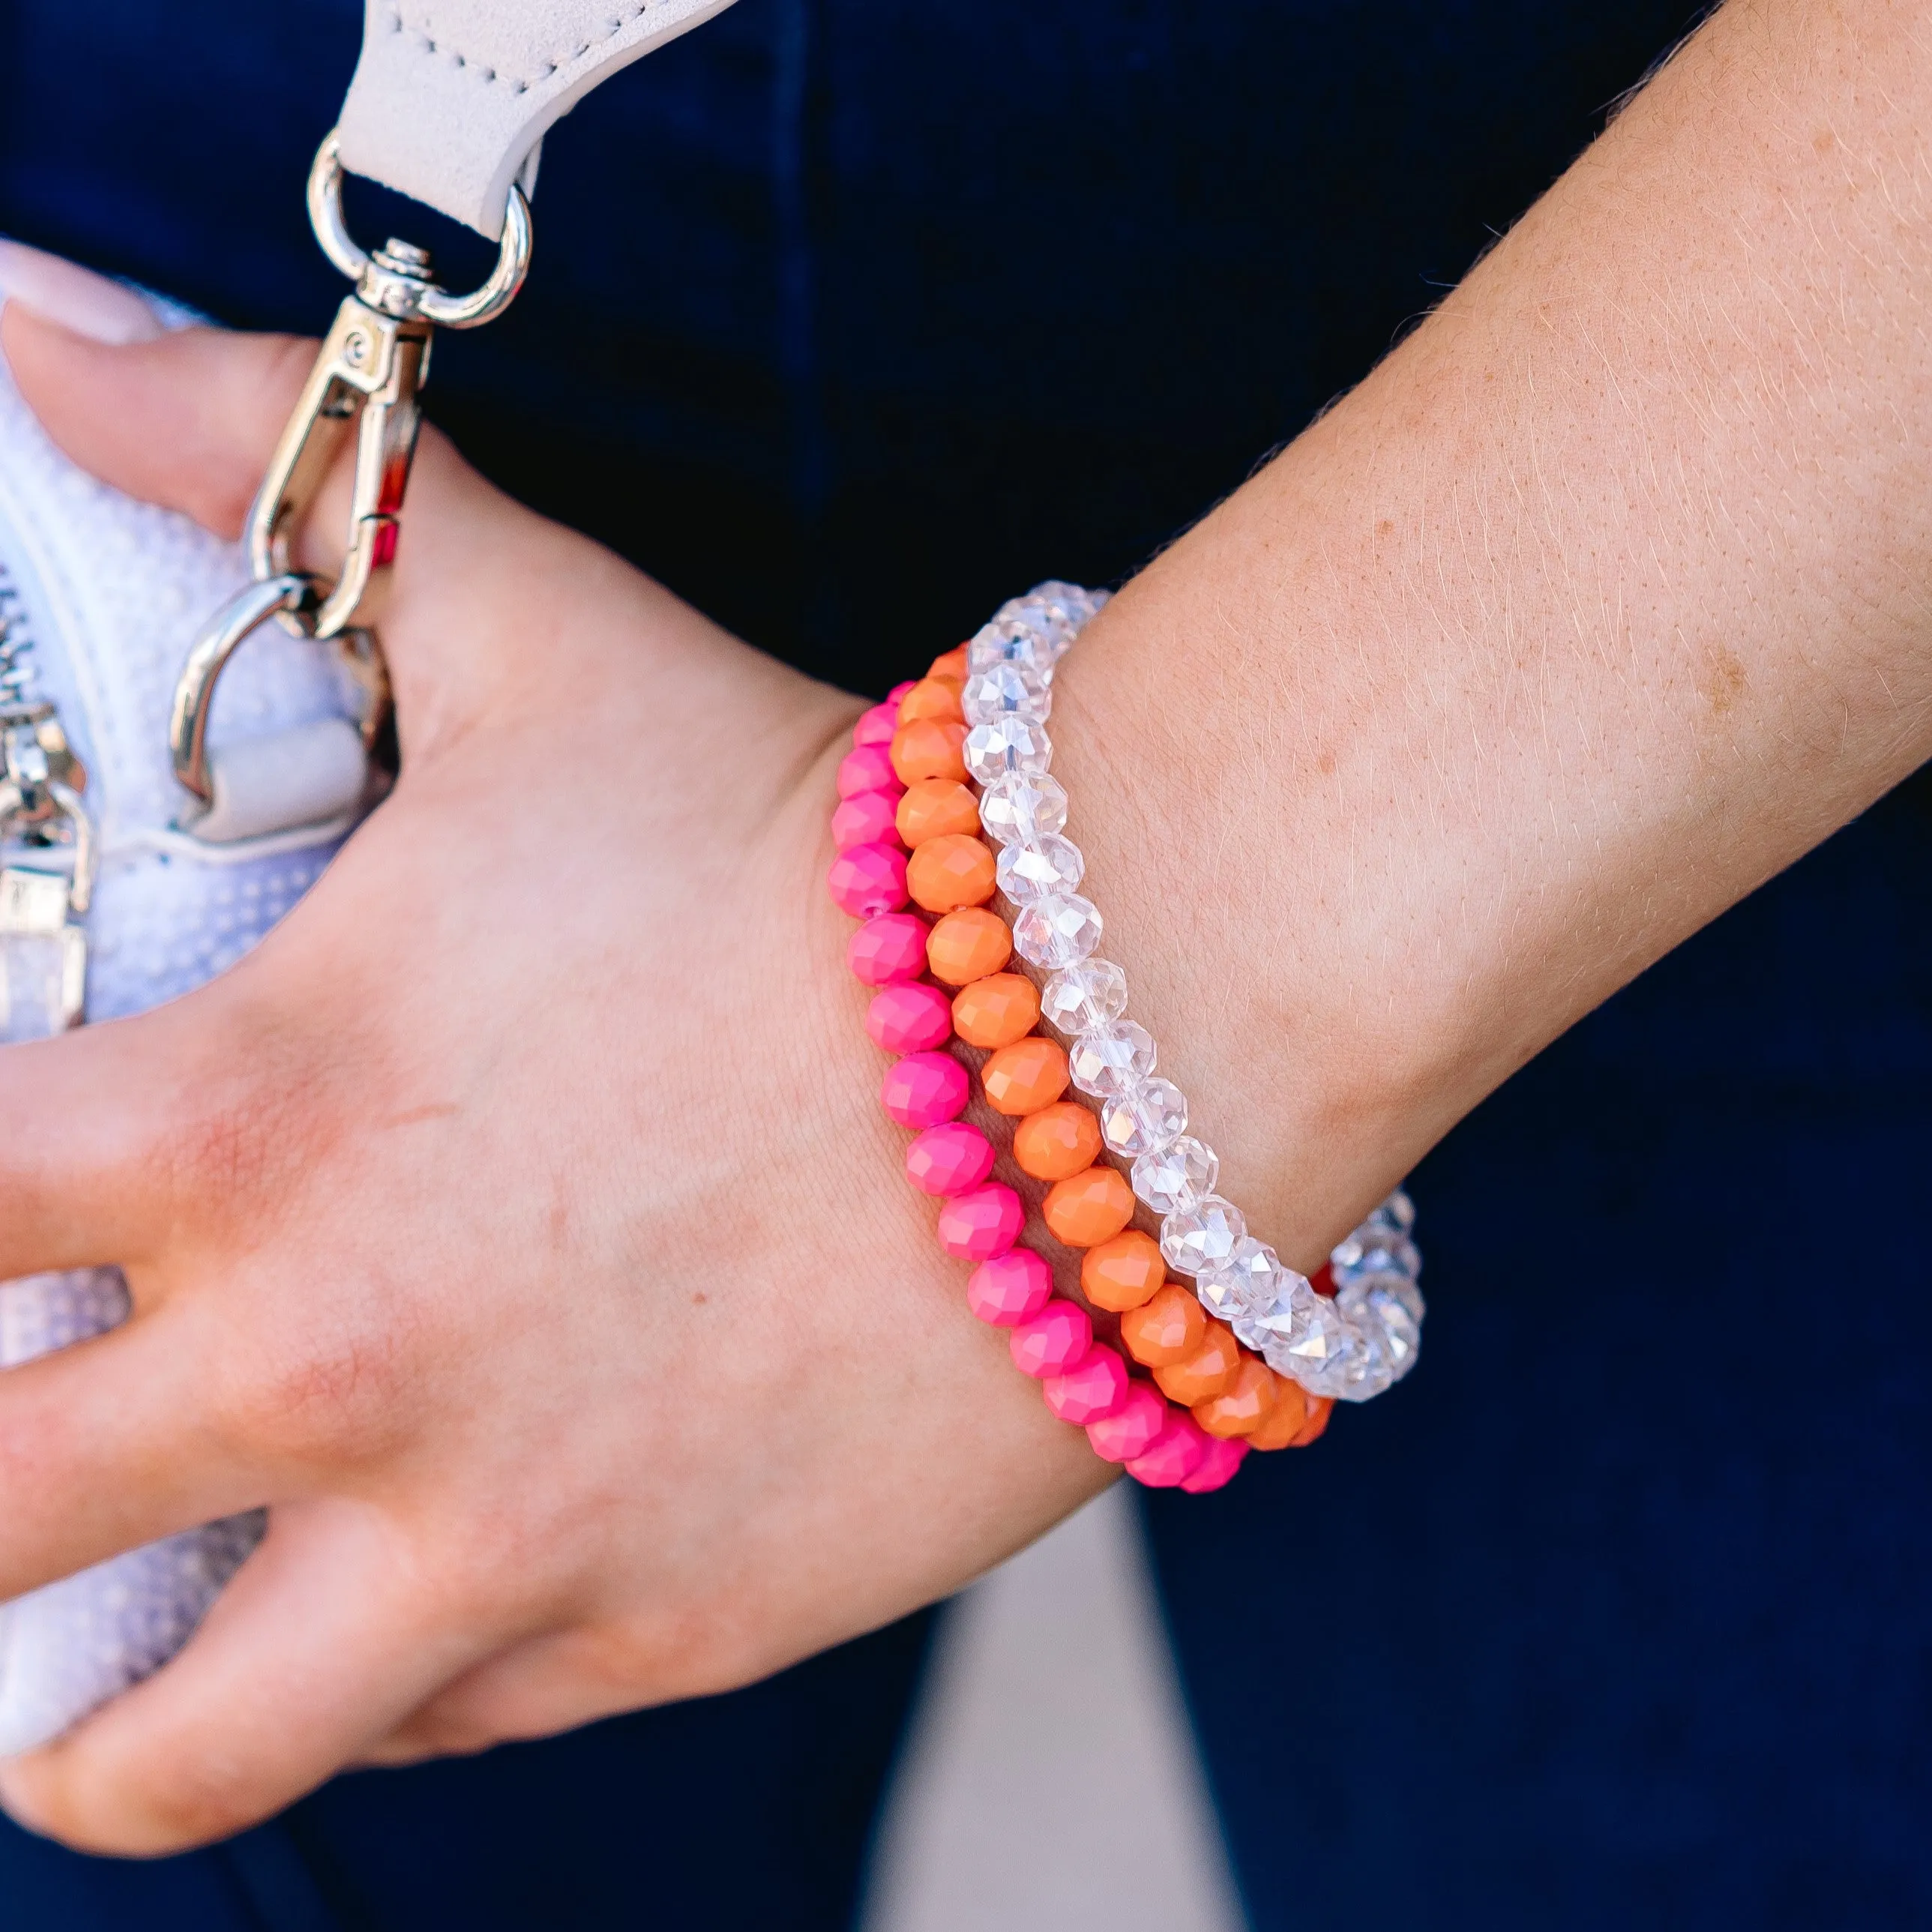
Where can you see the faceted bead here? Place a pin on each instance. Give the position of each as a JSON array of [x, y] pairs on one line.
[[1392, 1307], [1050, 1342], [945, 874], [932, 697], [890, 947], [1086, 1209], [1317, 1346], [1400, 1210], [1010, 1288], [984, 1221], [1006, 689], [1057, 610], [1006, 744], [1024, 1078], [1243, 1406], [1216, 1468], [968, 946], [1176, 1177], [1252, 1281], [1320, 1407], [924, 1089], [1093, 993], [1000, 643], [1023, 804], [866, 818], [1122, 1274], [1111, 1058], [1095, 1386], [1057, 1140], [1285, 1418], [1169, 1328], [935, 807], [896, 696], [1196, 1239], [868, 880], [996, 1011], [949, 1159], [866, 768], [1057, 930], [909, 1017], [927, 748], [1205, 1374], [1130, 1430], [1173, 1456], [1153, 1115], [876, 727], [1038, 868], [949, 664]]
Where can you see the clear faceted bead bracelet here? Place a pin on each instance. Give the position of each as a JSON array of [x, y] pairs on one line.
[[1352, 1344]]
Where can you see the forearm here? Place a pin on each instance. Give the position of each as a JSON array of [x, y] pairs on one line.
[[1602, 600]]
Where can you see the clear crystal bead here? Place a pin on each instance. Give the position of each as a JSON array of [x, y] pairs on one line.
[[1057, 932], [1196, 1239], [1389, 1309], [1015, 639], [1152, 1115], [1007, 744], [1006, 690], [1250, 1284], [1057, 611], [1177, 1176], [1111, 1058], [1085, 997], [1023, 805], [1034, 868], [1316, 1344], [1375, 1248], [1400, 1210]]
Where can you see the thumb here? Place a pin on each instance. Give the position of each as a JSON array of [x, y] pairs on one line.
[[187, 420]]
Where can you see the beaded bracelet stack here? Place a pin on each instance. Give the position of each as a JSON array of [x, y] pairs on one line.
[[964, 751]]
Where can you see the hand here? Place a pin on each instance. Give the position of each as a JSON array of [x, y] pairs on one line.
[[518, 1222]]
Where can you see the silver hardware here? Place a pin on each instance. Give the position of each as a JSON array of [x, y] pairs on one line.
[[370, 374]]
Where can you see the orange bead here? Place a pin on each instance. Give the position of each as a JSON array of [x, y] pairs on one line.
[[966, 946], [1022, 1079], [997, 1011], [1057, 1140], [935, 807], [1285, 1420], [1123, 1272], [1319, 1409], [1243, 1406], [1169, 1328], [944, 874], [952, 664], [1086, 1209], [928, 747], [931, 697], [1206, 1372]]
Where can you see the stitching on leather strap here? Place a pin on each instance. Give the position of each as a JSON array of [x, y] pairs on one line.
[[397, 24]]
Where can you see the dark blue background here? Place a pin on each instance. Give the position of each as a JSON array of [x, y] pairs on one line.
[[849, 317]]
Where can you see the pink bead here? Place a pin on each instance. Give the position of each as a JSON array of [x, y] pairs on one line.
[[1174, 1455], [899, 691], [1132, 1428], [924, 1089], [868, 880], [908, 1017], [866, 818], [1010, 1288], [892, 946], [1095, 1386], [1052, 1341], [1217, 1467], [869, 768], [876, 727], [981, 1223], [949, 1159]]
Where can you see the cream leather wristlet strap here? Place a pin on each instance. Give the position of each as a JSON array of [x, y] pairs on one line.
[[451, 97]]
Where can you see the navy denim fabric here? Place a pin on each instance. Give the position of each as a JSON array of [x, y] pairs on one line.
[[848, 318]]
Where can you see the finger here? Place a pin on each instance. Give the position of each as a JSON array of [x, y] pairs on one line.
[[103, 1448], [324, 1640]]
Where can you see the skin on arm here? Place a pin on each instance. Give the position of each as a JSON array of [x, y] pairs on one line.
[[518, 1220]]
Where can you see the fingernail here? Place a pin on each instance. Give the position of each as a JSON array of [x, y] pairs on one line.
[[76, 297]]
